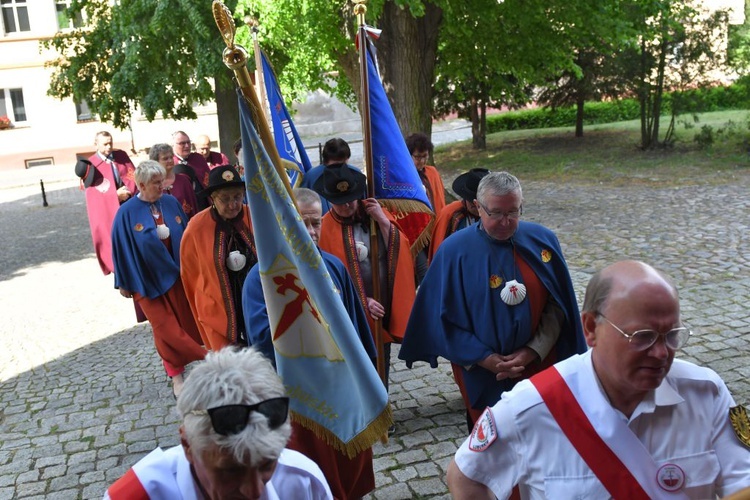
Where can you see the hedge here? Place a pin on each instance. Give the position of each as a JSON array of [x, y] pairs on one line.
[[735, 96]]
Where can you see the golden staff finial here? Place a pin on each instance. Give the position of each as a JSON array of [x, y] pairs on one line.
[[225, 23], [235, 58], [360, 9]]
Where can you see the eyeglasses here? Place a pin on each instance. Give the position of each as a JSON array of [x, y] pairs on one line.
[[420, 157], [641, 340], [232, 419], [226, 200], [183, 143], [512, 215]]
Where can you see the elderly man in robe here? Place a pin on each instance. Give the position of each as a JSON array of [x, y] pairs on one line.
[[497, 300]]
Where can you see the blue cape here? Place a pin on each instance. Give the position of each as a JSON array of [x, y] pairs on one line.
[[143, 263], [457, 314], [256, 315]]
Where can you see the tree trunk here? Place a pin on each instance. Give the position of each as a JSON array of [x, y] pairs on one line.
[[579, 115], [643, 99], [407, 52], [478, 116], [227, 112], [656, 116], [482, 124]]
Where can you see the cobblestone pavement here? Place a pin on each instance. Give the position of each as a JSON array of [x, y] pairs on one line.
[[83, 395]]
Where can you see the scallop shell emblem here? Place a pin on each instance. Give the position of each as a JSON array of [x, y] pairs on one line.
[[546, 256], [342, 186], [178, 219], [227, 176], [362, 251], [495, 281], [138, 227], [513, 293]]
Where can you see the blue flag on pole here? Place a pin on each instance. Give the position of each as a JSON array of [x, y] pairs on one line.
[[334, 388], [397, 183], [288, 142]]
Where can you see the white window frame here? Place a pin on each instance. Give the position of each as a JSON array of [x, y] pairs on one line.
[[9, 110], [83, 112], [13, 6], [72, 23]]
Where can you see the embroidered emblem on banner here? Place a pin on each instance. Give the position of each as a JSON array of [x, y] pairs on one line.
[[138, 227], [546, 256], [741, 424], [495, 281], [484, 432], [670, 477]]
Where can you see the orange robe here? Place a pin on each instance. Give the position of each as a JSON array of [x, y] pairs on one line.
[[434, 187], [206, 283], [338, 239], [452, 218]]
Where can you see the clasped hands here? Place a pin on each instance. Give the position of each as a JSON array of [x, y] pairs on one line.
[[509, 366]]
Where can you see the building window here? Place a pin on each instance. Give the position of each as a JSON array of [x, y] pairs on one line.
[[11, 105], [83, 113], [15, 16], [65, 20]]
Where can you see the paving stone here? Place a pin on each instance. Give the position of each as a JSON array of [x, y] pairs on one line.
[[27, 490]]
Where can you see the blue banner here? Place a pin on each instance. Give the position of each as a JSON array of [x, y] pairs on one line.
[[288, 142], [334, 387], [397, 183]]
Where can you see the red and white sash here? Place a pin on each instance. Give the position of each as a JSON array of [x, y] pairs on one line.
[[600, 435]]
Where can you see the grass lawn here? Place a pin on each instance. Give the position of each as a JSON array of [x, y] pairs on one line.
[[610, 153]]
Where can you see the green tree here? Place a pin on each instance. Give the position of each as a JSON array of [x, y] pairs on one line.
[[594, 74], [493, 53], [311, 45], [678, 46]]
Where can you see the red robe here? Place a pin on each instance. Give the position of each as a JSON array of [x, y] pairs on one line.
[[347, 477], [182, 189], [102, 203], [206, 284], [199, 166], [338, 239], [216, 159]]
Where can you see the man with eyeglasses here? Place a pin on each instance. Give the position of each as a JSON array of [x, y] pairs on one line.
[[623, 420], [217, 252], [233, 433], [190, 163], [497, 300]]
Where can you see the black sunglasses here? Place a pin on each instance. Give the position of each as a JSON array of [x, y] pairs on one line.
[[232, 419]]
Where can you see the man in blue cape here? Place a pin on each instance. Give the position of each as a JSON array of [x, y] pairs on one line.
[[497, 300]]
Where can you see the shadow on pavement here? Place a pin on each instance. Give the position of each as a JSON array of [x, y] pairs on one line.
[[33, 235], [78, 422]]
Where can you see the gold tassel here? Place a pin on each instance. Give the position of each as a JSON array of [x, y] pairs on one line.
[[361, 442]]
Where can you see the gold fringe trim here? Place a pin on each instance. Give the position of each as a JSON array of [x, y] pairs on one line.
[[400, 207], [373, 433]]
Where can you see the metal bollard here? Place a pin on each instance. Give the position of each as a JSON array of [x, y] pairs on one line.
[[44, 195]]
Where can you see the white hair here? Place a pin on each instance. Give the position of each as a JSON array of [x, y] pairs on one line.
[[226, 377], [498, 184], [147, 170]]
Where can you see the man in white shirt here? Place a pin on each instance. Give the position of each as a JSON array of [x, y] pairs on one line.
[[624, 420], [234, 431]]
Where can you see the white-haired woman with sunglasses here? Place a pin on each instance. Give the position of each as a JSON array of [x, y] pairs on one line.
[[234, 430]]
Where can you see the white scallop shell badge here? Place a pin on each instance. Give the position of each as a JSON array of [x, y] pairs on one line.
[[513, 292]]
